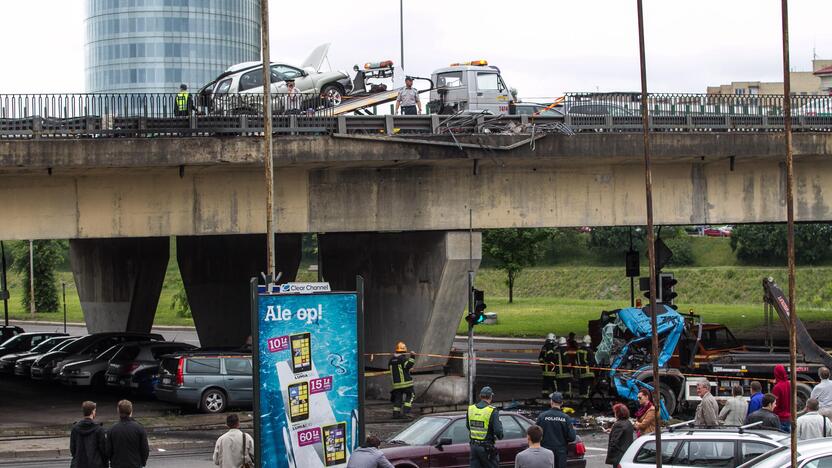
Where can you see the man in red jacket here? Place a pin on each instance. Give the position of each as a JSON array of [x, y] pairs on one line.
[[783, 391]]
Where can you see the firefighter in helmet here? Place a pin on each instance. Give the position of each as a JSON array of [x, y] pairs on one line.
[[563, 371], [585, 361], [401, 394], [548, 359]]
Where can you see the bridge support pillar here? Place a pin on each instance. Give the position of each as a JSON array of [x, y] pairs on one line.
[[415, 286], [216, 271], [119, 280]]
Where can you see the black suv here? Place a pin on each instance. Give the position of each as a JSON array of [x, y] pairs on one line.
[[48, 366], [135, 366]]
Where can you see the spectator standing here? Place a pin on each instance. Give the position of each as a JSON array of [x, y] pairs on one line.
[[813, 425], [708, 410], [87, 441], [235, 448], [766, 414], [557, 427], [184, 104], [756, 401], [621, 435], [127, 440], [783, 392], [646, 414], [535, 456], [408, 99], [735, 409], [823, 392]]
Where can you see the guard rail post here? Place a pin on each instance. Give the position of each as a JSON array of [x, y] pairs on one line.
[[434, 123], [388, 124], [342, 125]]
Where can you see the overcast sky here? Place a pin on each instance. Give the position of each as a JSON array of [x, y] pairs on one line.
[[544, 48]]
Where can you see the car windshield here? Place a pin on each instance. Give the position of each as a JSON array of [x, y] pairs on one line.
[[78, 345], [47, 345], [65, 344], [107, 355], [421, 432], [12, 341]]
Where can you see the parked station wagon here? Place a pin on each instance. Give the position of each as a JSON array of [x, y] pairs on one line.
[[210, 382]]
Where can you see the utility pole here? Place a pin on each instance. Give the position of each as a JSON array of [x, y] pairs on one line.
[[4, 288], [32, 278], [267, 139], [787, 114], [472, 363], [651, 246], [401, 32], [63, 288]]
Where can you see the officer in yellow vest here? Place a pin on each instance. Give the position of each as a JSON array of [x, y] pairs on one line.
[[485, 429], [401, 394], [184, 104]]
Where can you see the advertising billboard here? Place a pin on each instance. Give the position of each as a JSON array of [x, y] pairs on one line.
[[309, 378]]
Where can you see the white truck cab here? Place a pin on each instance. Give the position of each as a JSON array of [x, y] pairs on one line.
[[469, 87]]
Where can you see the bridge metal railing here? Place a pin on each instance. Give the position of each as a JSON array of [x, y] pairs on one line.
[[152, 115]]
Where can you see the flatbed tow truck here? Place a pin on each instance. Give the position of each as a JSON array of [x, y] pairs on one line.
[[691, 350]]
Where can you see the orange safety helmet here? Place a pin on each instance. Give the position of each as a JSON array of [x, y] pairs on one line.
[[401, 347]]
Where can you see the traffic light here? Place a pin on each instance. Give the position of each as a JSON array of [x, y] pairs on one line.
[[666, 284], [478, 314]]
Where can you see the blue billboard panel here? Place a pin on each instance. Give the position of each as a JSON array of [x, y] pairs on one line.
[[308, 362]]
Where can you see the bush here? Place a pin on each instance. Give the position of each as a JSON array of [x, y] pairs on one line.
[[46, 256], [682, 251], [766, 243]]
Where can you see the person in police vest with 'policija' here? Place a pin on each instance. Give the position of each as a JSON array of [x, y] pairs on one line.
[[184, 104], [485, 429], [401, 394]]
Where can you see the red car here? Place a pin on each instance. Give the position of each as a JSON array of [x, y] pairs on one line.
[[442, 441]]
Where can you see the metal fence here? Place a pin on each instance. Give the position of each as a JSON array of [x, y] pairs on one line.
[[150, 115]]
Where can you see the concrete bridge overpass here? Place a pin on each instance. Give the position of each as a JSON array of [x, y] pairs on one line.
[[392, 208]]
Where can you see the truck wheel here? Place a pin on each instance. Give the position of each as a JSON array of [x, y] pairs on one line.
[[668, 396], [213, 401], [333, 93], [804, 392]]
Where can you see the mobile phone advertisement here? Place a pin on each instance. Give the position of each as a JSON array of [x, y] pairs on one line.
[[308, 361]]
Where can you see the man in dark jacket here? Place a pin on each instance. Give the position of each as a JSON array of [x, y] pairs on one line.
[[127, 440], [766, 414], [87, 441], [558, 431]]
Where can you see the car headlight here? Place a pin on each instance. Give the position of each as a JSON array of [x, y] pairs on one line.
[[76, 372]]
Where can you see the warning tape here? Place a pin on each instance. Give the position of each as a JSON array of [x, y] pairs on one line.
[[569, 366]]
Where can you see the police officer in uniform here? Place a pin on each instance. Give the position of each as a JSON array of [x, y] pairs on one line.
[[548, 359], [485, 429], [558, 431], [402, 391], [563, 371], [184, 103], [585, 360]]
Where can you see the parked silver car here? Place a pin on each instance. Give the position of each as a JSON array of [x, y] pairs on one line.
[[210, 382], [89, 372], [240, 88], [814, 453]]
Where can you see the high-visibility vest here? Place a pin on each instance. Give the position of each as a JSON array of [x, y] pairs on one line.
[[563, 371], [182, 101], [548, 358], [400, 371], [478, 421]]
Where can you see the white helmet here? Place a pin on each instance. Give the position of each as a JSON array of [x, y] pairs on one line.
[[587, 340], [551, 337], [562, 341]]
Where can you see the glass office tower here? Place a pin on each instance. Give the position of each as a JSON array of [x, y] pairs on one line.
[[152, 46]]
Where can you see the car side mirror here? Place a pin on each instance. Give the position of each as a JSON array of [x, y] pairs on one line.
[[443, 442]]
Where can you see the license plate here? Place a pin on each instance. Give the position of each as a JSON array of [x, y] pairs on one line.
[[111, 378], [165, 380]]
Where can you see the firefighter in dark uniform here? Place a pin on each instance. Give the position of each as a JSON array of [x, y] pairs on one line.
[[485, 429], [563, 371], [401, 394], [558, 431], [584, 362], [548, 359]]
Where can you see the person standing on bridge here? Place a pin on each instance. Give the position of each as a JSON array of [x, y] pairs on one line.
[[184, 103], [548, 359], [401, 394], [87, 441], [408, 99], [484, 428], [558, 431]]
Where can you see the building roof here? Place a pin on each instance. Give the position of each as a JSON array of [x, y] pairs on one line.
[[824, 71]]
